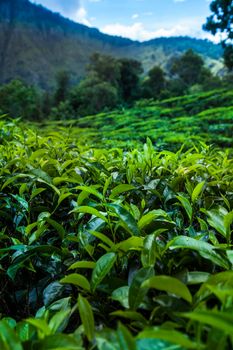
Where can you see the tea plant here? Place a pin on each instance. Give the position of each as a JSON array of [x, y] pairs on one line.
[[113, 249], [170, 124]]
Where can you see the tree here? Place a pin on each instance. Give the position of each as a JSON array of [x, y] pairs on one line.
[[123, 74], [175, 87], [128, 84], [221, 21], [93, 95], [46, 103], [189, 68], [155, 83], [106, 68], [228, 57], [63, 111], [20, 100], [62, 88]]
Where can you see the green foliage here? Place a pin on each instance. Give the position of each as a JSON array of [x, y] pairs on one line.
[[63, 81], [110, 83], [170, 123], [106, 68], [228, 57], [155, 84], [93, 95], [129, 82], [114, 248], [221, 20], [20, 100], [189, 69]]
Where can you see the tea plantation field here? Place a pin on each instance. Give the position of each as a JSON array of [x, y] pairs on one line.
[[169, 124], [116, 229]]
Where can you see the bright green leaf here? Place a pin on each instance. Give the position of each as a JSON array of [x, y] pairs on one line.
[[77, 280]]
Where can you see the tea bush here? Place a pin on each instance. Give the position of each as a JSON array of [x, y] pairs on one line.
[[113, 248], [169, 124]]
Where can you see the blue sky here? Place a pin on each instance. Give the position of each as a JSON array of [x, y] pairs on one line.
[[137, 19]]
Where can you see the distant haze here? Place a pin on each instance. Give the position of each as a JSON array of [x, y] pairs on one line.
[[137, 19]]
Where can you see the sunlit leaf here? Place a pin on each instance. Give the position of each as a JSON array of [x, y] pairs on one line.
[[83, 265], [220, 320], [8, 338], [149, 217], [186, 205], [77, 280], [197, 191], [90, 190], [91, 211], [170, 285]]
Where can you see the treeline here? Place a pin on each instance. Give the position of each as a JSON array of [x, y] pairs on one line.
[[109, 83]]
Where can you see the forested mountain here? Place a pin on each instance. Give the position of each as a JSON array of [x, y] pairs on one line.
[[35, 44]]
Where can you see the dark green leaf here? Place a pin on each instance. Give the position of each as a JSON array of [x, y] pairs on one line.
[[136, 293], [127, 219]]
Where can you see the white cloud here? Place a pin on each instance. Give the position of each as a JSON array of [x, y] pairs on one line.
[[137, 31], [81, 16], [135, 16], [73, 9], [79, 13]]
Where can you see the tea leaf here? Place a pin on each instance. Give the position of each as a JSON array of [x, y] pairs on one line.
[[8, 339], [126, 218], [89, 210], [216, 319], [171, 336], [77, 280], [197, 191], [102, 268], [136, 291], [186, 205], [120, 189], [205, 249], [170, 285], [87, 317]]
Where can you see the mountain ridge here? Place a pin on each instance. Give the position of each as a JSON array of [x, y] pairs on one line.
[[36, 43]]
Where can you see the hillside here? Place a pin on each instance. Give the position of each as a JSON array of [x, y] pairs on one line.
[[36, 43], [169, 123]]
